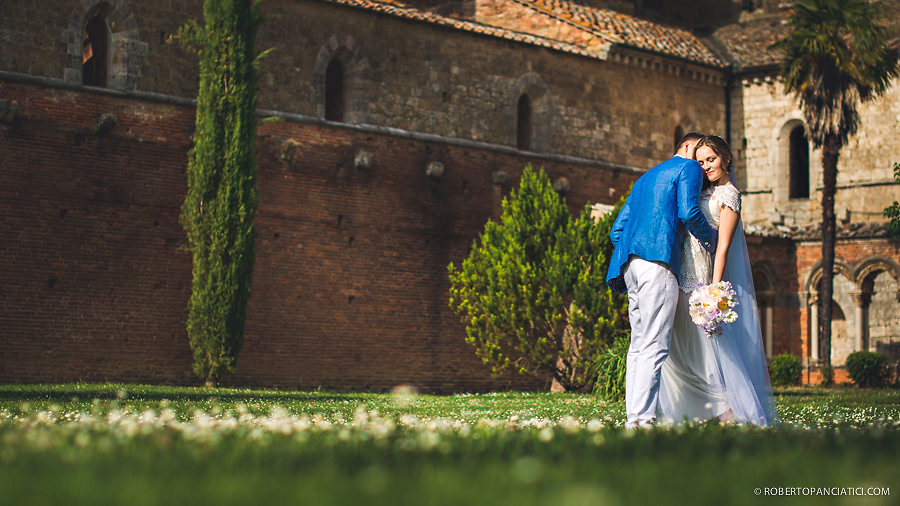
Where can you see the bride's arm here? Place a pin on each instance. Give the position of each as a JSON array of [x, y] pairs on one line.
[[728, 221]]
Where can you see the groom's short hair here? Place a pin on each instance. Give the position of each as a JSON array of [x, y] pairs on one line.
[[688, 137]]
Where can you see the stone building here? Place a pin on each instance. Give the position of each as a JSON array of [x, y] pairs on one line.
[[781, 179], [402, 124]]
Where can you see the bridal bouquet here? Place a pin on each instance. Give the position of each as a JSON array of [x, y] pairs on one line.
[[712, 305]]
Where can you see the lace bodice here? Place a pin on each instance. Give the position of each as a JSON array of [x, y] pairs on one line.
[[696, 262]]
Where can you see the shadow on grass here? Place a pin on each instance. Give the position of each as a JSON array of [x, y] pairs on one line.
[[802, 393], [847, 395], [65, 393]]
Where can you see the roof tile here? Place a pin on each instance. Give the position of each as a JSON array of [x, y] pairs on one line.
[[398, 9], [627, 30], [608, 28]]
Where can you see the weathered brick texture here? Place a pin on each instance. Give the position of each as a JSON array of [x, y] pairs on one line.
[[350, 286]]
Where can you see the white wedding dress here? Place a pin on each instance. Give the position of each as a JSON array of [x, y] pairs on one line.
[[723, 377]]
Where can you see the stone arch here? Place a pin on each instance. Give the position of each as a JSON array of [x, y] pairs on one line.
[[541, 121], [765, 285], [815, 275], [764, 277], [878, 302], [866, 271], [846, 326], [126, 51], [356, 78]]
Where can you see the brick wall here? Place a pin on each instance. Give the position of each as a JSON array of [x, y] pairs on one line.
[[350, 286], [773, 261], [94, 281]]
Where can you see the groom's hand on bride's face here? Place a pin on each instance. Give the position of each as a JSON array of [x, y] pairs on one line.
[[691, 148]]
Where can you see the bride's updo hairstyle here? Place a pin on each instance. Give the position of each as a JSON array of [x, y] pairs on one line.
[[719, 147]]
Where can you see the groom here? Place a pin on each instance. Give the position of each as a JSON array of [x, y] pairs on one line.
[[647, 236]]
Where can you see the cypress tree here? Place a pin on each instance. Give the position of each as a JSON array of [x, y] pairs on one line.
[[221, 202]]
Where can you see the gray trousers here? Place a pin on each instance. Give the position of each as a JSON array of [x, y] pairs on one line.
[[652, 298]]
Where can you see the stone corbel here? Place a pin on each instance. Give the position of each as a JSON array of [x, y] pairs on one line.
[[8, 110], [434, 170], [499, 177]]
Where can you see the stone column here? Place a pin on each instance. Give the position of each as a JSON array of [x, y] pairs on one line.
[[862, 301], [813, 302], [766, 303]]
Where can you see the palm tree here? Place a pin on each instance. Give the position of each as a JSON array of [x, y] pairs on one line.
[[836, 56]]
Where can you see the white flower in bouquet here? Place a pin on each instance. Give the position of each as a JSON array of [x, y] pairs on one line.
[[711, 305]]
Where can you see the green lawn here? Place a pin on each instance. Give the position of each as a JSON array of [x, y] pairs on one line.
[[134, 445]]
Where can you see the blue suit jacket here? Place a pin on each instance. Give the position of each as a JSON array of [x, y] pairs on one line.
[[664, 203]]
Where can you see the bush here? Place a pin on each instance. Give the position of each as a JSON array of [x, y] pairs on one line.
[[610, 370], [532, 292], [868, 369], [785, 370], [827, 373]]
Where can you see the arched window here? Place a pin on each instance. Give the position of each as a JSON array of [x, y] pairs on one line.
[[679, 133], [95, 52], [92, 58], [799, 163], [529, 114], [523, 124], [334, 91], [342, 89]]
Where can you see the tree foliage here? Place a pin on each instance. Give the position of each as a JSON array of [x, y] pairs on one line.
[[836, 56], [221, 202], [532, 291], [892, 212]]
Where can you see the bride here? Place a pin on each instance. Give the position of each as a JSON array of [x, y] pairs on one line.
[[723, 377]]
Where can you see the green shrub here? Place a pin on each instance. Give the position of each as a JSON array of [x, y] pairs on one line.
[[532, 292], [785, 370], [827, 373], [868, 369], [609, 368]]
